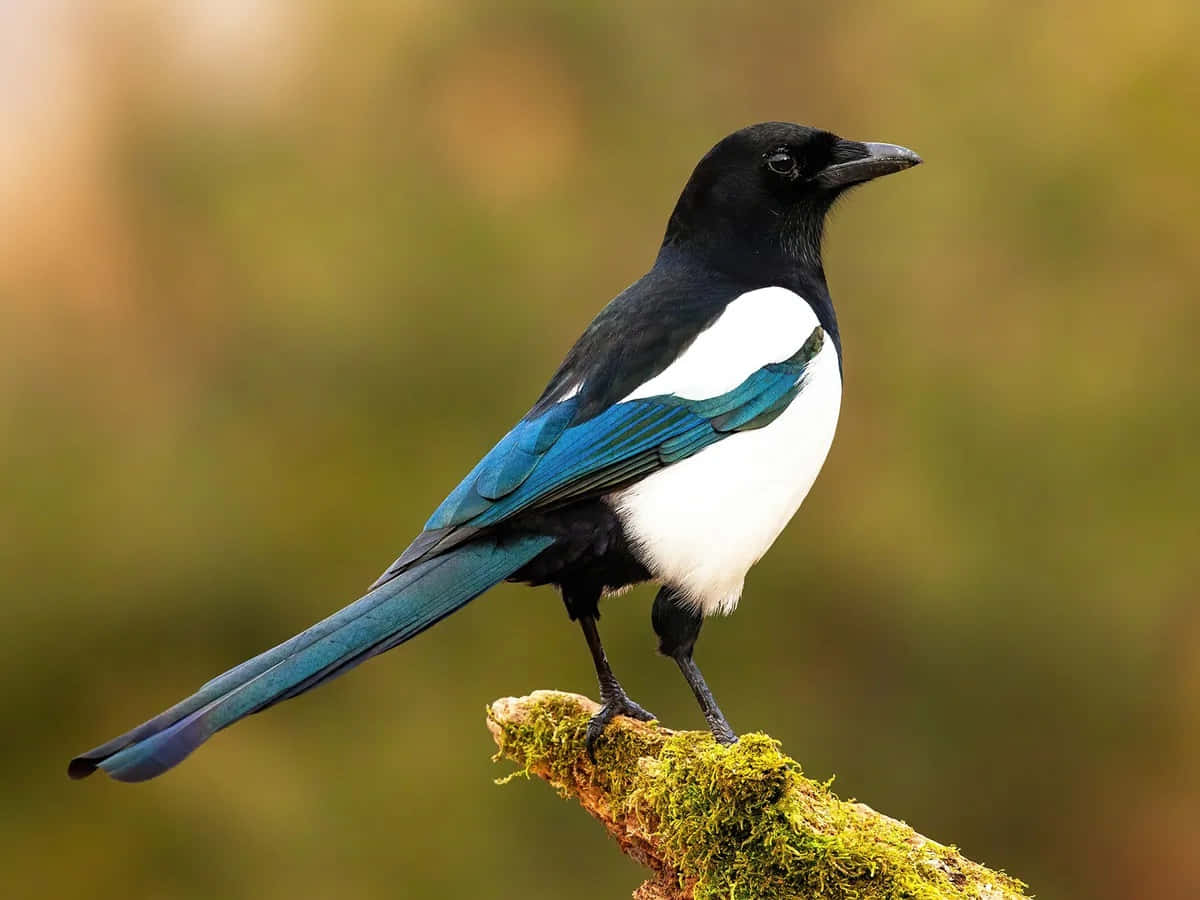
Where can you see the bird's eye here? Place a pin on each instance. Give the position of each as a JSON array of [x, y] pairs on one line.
[[781, 162]]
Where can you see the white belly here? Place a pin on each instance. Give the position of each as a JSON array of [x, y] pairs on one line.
[[699, 525]]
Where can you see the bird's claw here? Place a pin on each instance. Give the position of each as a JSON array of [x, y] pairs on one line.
[[619, 705]]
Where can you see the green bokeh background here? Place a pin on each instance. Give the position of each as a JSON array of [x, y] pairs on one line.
[[308, 266]]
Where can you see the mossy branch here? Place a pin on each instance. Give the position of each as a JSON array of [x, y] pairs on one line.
[[731, 822]]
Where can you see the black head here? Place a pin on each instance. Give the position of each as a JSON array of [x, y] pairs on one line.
[[764, 192]]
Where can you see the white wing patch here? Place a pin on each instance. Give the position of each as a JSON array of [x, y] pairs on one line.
[[700, 524], [759, 327]]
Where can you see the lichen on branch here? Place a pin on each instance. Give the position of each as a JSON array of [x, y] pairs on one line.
[[735, 822]]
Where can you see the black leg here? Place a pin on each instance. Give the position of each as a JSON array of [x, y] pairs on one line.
[[613, 697], [677, 626], [717, 722]]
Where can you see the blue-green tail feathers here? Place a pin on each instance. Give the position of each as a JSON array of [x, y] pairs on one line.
[[390, 614]]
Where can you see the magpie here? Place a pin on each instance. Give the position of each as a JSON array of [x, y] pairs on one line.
[[677, 438]]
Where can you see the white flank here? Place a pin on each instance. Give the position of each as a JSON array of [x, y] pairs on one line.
[[700, 524]]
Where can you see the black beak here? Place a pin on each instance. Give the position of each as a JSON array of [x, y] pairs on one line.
[[858, 162]]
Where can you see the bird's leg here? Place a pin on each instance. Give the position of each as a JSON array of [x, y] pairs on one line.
[[612, 695], [717, 722], [677, 626]]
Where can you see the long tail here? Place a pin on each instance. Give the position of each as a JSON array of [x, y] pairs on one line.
[[389, 615]]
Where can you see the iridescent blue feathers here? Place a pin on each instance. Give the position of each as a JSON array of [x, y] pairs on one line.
[[393, 612], [550, 459]]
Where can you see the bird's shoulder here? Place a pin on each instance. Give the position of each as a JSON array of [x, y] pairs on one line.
[[683, 320]]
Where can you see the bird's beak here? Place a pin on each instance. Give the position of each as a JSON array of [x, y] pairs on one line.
[[858, 162]]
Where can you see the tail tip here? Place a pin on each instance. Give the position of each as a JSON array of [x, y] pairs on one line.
[[81, 767]]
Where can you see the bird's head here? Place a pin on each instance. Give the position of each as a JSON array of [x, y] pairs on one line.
[[765, 191]]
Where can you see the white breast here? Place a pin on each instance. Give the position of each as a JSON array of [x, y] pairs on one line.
[[700, 524]]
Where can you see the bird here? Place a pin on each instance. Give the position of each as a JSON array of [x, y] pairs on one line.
[[675, 441]]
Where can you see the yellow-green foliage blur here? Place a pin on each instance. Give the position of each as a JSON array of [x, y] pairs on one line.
[[274, 275]]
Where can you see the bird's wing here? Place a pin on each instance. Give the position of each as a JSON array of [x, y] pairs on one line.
[[550, 459]]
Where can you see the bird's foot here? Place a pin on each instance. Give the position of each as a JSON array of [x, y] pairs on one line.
[[615, 704]]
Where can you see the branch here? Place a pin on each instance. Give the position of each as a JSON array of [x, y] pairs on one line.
[[731, 822]]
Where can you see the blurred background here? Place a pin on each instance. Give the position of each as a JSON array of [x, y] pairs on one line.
[[273, 275]]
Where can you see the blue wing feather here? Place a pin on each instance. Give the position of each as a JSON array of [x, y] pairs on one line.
[[507, 474], [776, 396], [687, 444], [550, 459]]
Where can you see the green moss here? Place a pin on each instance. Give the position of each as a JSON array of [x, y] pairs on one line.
[[735, 822]]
